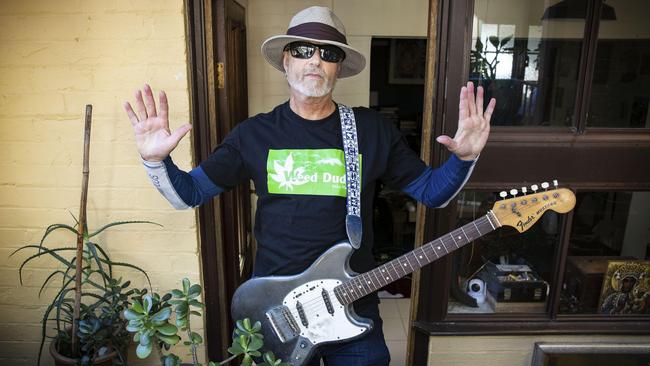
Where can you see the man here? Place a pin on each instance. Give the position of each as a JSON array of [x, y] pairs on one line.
[[294, 155]]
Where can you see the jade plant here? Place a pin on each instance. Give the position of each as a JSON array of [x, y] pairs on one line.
[[150, 318]]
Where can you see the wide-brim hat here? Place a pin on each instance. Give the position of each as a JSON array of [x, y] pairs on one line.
[[316, 24]]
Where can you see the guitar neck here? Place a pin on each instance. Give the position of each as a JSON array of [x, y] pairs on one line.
[[399, 267]]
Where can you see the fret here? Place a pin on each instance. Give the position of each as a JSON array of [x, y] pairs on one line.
[[385, 270], [425, 255], [438, 247], [454, 240], [479, 231], [490, 221], [409, 262], [444, 246], [368, 281], [374, 272], [418, 257], [394, 269], [360, 286], [461, 229]]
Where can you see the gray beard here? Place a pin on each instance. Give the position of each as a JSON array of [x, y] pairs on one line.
[[311, 89]]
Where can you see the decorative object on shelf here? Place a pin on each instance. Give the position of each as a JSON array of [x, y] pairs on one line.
[[626, 288], [407, 60]]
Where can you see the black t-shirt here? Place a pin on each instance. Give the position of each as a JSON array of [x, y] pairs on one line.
[[298, 169]]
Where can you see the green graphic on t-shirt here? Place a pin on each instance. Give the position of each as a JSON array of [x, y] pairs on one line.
[[302, 171]]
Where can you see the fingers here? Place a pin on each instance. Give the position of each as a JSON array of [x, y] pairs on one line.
[[471, 100], [149, 102], [129, 112], [447, 141], [178, 134], [490, 109], [479, 100], [139, 104], [164, 106], [463, 111]]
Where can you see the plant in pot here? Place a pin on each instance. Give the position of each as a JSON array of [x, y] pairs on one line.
[[150, 319], [86, 310]]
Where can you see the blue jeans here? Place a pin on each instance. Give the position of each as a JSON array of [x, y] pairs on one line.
[[370, 350]]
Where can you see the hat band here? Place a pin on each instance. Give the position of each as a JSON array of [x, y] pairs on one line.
[[317, 30]]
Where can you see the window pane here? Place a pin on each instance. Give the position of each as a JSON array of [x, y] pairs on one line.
[[526, 54], [608, 271], [515, 269], [619, 92]]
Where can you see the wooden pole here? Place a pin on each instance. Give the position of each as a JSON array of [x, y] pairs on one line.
[[81, 231]]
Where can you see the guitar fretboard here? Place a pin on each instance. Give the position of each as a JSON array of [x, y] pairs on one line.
[[397, 268]]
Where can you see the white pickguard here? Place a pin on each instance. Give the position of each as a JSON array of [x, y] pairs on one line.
[[321, 325]]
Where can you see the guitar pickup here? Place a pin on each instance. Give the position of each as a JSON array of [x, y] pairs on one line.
[[283, 323], [301, 314], [327, 301]]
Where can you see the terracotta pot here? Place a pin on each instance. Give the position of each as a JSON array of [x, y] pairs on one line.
[[61, 360]]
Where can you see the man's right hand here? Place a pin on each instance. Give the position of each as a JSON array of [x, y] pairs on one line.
[[152, 135]]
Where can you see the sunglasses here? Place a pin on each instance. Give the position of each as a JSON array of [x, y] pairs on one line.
[[305, 50]]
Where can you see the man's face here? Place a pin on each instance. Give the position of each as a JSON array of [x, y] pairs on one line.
[[311, 77]]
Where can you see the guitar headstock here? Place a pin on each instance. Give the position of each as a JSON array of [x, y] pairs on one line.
[[521, 212]]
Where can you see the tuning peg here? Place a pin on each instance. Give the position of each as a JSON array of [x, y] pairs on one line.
[[503, 194], [534, 187], [545, 185], [513, 192], [524, 190], [555, 183]]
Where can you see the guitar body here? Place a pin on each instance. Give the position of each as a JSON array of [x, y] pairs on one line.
[[301, 312]]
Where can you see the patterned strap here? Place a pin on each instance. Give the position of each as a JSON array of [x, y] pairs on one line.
[[353, 223]]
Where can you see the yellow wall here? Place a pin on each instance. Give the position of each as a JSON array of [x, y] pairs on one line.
[[56, 57], [504, 350], [363, 19]]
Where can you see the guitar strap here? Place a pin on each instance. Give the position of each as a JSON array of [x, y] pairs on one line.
[[353, 225]]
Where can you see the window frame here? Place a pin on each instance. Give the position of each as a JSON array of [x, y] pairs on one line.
[[510, 145]]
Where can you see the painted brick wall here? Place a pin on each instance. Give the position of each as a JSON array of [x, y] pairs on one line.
[[56, 57]]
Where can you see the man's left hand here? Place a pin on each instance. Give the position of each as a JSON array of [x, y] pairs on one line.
[[473, 124]]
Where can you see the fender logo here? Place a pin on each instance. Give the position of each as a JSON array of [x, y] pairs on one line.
[[523, 224]]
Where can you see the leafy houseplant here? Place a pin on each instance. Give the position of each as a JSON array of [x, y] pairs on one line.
[[149, 318], [87, 308]]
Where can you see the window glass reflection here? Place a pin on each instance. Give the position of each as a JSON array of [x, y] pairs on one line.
[[619, 91], [527, 54], [608, 262]]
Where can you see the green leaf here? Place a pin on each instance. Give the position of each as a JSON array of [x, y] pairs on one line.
[[194, 312], [137, 307], [194, 291], [196, 338], [494, 40], [236, 349], [132, 315], [162, 315], [167, 329], [143, 351], [186, 286], [177, 293], [169, 339], [196, 303], [247, 324], [147, 303], [182, 309], [213, 363], [255, 344], [247, 361], [121, 223], [269, 358]]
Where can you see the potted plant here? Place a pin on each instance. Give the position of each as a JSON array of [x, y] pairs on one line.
[[150, 319], [87, 309]]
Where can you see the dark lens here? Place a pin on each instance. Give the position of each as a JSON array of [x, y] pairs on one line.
[[301, 50], [331, 53]]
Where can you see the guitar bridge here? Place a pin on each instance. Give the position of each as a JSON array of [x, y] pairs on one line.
[[283, 323]]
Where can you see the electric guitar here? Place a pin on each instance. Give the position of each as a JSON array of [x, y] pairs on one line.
[[302, 312]]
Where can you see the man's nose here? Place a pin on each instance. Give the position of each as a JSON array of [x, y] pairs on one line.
[[315, 58]]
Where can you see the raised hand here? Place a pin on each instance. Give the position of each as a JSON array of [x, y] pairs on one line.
[[473, 124], [153, 138]]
